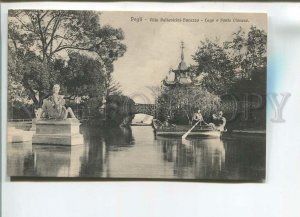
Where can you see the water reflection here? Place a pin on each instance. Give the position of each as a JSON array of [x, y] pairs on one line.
[[19, 158], [99, 143], [47, 160], [60, 161], [117, 138], [201, 158], [136, 153]]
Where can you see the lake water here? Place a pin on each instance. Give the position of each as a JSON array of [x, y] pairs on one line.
[[136, 153]]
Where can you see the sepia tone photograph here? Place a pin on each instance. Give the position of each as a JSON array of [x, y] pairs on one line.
[[137, 95]]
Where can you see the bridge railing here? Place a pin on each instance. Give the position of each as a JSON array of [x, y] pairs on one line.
[[149, 109]]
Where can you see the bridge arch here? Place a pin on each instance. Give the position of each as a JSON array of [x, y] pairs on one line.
[[148, 109]]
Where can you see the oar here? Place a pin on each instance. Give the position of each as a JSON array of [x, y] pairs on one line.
[[188, 132]]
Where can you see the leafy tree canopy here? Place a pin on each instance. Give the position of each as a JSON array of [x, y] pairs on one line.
[[222, 65], [215, 65], [181, 102], [39, 38], [82, 76]]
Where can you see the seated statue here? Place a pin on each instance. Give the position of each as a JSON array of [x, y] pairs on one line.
[[54, 107]]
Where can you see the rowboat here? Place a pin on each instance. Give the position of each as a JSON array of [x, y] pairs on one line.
[[179, 130]]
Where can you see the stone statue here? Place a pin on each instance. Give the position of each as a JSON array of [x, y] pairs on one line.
[[54, 107]]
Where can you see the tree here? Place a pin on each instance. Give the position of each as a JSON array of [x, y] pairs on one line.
[[29, 73], [17, 95], [236, 50], [221, 66], [85, 78], [50, 32], [112, 87], [256, 49], [181, 102], [248, 55], [47, 35], [214, 64], [248, 52], [120, 109], [82, 75]]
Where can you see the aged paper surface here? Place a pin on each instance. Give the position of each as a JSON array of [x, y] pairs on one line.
[[138, 95]]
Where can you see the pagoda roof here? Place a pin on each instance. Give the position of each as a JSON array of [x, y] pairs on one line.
[[182, 66]]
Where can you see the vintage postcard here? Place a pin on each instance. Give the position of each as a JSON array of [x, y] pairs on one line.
[[137, 95]]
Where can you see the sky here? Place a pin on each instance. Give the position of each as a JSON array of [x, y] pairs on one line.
[[154, 47]]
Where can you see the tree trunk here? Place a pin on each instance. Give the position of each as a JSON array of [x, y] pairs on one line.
[[32, 93]]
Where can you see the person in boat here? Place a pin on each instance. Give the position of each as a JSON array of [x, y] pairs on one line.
[[54, 107], [167, 123], [198, 117], [218, 121]]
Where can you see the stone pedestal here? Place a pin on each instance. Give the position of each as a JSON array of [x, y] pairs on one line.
[[18, 135], [58, 132]]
